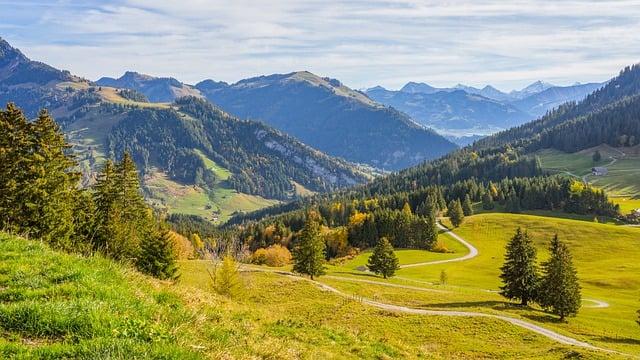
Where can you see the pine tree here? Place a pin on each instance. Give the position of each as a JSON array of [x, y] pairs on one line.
[[406, 209], [124, 221], [467, 207], [597, 156], [383, 260], [157, 256], [456, 215], [309, 252], [560, 290], [487, 201], [52, 203], [37, 186], [519, 272]]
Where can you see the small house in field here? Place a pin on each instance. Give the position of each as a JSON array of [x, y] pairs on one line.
[[599, 171]]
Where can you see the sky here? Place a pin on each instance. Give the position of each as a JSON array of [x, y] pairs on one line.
[[507, 44]]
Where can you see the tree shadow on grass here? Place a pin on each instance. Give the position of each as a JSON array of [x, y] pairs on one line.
[[369, 275], [543, 317], [465, 304], [618, 340]]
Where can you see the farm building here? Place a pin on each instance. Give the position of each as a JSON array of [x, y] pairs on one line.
[[599, 171]]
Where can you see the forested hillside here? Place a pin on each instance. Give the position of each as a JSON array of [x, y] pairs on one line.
[[330, 117], [627, 83]]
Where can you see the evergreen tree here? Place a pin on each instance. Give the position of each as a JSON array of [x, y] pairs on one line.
[[467, 207], [559, 288], [37, 184], [157, 256], [309, 252], [455, 212], [519, 272], [52, 202], [124, 221], [383, 260], [487, 201], [597, 156]]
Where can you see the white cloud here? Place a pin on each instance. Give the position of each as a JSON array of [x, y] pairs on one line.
[[362, 43]]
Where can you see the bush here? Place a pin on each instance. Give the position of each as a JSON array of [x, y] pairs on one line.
[[274, 256], [440, 247]]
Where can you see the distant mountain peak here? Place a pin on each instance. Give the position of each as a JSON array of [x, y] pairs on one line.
[[415, 87]]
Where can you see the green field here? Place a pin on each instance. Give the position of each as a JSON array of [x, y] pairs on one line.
[[216, 205], [623, 165], [605, 256], [54, 305]]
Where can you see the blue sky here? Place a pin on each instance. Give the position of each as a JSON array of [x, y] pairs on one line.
[[363, 43]]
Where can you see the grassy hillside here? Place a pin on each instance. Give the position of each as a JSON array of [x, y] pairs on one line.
[[623, 166], [54, 305]]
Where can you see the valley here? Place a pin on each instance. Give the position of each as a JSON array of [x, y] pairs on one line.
[[222, 204]]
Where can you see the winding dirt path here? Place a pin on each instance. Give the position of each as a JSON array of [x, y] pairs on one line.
[[473, 252], [550, 334]]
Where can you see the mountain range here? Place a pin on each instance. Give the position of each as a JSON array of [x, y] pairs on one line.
[[321, 112], [187, 146], [464, 111]]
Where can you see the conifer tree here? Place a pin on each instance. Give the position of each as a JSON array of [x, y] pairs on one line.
[[406, 209], [487, 201], [383, 260], [37, 185], [455, 212], [597, 156], [560, 290], [309, 252], [53, 199], [467, 207], [157, 256], [519, 272]]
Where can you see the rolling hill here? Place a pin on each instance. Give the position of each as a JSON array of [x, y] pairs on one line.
[[331, 117]]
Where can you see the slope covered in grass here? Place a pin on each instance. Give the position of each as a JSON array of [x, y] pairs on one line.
[[54, 305]]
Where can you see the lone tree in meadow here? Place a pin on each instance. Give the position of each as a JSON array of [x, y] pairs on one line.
[[467, 206], [455, 212], [383, 261], [519, 272], [559, 288], [597, 156], [309, 252]]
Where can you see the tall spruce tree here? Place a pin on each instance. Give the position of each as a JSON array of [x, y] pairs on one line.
[[560, 290], [455, 212], [519, 272], [56, 186], [157, 256], [124, 220], [467, 207], [309, 252], [487, 201], [383, 260]]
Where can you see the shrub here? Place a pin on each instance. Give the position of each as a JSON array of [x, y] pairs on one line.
[[440, 247], [274, 256]]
